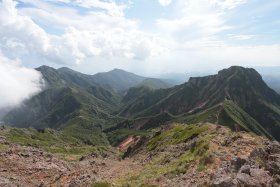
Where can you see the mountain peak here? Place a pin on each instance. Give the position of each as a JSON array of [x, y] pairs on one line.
[[120, 71], [237, 71], [117, 70], [235, 74], [44, 67], [65, 69]]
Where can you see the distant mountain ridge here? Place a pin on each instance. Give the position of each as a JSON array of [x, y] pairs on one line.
[[118, 80], [250, 100], [153, 83], [75, 102]]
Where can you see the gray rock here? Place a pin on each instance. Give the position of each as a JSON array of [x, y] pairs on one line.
[[82, 180], [273, 147], [254, 177], [259, 153], [4, 182], [273, 167], [245, 180], [262, 177], [237, 162], [258, 178], [245, 169], [3, 140], [224, 182]]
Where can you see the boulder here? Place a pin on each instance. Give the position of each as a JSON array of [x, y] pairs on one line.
[[82, 180], [259, 153], [273, 148], [273, 167], [257, 178], [245, 169], [262, 176], [237, 162], [224, 182], [3, 140]]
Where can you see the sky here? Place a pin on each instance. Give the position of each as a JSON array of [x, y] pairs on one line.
[[143, 36], [148, 37]]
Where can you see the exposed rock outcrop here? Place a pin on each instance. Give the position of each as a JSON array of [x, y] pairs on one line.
[[261, 168]]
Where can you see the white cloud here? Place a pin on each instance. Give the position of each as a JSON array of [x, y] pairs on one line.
[[241, 37], [17, 83], [228, 4], [20, 30], [111, 7], [97, 33], [195, 20], [82, 32], [164, 2]]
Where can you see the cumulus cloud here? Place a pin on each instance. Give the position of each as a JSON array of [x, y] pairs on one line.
[[17, 83], [98, 33], [20, 30]]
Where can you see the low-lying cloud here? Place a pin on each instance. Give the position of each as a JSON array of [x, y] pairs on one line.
[[17, 83]]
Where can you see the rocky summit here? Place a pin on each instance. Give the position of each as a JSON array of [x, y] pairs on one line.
[[174, 155]]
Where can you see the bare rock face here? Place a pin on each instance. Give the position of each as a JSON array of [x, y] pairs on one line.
[[258, 170], [131, 144]]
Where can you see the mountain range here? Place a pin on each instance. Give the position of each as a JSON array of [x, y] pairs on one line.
[[78, 104], [106, 107]]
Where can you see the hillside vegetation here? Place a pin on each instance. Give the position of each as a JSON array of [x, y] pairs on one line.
[[99, 109]]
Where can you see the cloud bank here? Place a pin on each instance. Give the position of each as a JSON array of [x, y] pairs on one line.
[[17, 83]]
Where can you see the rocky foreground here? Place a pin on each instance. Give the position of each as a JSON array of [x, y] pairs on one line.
[[176, 155], [30, 166]]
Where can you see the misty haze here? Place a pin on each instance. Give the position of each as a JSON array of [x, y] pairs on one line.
[[128, 93]]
